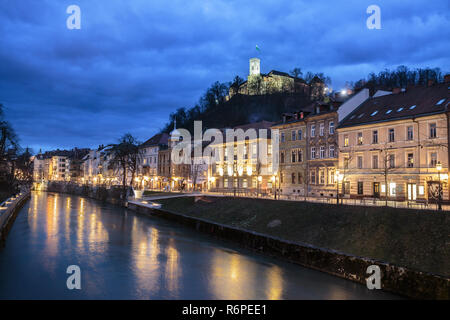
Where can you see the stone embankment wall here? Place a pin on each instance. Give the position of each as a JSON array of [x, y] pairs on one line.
[[8, 212], [400, 280]]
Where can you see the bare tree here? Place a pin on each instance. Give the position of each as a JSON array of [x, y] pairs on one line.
[[125, 157]]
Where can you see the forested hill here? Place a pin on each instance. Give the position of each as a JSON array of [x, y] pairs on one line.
[[241, 109]]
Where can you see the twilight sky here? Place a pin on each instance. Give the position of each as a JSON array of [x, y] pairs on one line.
[[133, 62]]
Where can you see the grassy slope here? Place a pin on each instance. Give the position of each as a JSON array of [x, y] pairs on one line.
[[417, 239]]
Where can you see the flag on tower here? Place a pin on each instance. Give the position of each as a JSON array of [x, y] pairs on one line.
[[257, 48]]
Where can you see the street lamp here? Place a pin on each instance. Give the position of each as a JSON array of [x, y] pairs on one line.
[[439, 168], [339, 177], [259, 182]]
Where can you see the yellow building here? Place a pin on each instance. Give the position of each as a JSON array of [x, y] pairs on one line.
[[396, 145], [249, 175]]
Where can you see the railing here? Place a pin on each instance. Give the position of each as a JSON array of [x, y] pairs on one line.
[[7, 208]]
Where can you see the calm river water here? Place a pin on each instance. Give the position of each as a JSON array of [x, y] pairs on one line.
[[124, 255]]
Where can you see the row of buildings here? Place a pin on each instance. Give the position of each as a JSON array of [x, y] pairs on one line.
[[387, 144]]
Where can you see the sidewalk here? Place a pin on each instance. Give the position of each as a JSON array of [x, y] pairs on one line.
[[347, 201]]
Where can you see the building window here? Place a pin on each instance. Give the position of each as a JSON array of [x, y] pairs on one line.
[[410, 160], [346, 161], [300, 178], [313, 130], [331, 176], [293, 135], [244, 183], [375, 136], [293, 178], [391, 161], [331, 127], [282, 137], [293, 153], [300, 134], [331, 151], [269, 150], [392, 188], [300, 155], [433, 157], [322, 176], [360, 162], [346, 141], [433, 130], [282, 157], [313, 152], [321, 129], [360, 138], [313, 176], [225, 183], [322, 152], [360, 187], [375, 161], [410, 133], [391, 135]]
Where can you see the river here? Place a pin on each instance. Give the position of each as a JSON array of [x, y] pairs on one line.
[[125, 255]]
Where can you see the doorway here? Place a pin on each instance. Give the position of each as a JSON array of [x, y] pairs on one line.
[[412, 191], [376, 189]]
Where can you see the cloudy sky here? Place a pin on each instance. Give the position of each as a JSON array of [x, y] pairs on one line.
[[133, 62]]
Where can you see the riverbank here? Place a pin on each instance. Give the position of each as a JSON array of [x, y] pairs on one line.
[[8, 212], [203, 214], [412, 238]]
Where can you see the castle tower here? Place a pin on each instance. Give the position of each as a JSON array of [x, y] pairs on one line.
[[255, 67]]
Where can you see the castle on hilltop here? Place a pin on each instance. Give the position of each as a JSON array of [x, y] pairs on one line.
[[275, 82]]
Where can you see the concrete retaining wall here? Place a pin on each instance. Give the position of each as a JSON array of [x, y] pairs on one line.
[[8, 213], [400, 280]]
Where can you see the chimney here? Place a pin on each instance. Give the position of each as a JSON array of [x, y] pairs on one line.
[[447, 78], [430, 82], [396, 90]]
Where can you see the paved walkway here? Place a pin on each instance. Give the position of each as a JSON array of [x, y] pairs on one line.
[[358, 202]]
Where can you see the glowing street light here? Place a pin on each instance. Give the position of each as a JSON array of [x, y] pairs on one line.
[[439, 169]]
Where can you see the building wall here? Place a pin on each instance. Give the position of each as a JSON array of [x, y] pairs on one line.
[[414, 157], [322, 165]]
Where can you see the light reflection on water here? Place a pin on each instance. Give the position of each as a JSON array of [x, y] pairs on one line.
[[123, 255]]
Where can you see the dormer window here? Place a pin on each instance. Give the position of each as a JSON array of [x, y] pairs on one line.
[[374, 113], [412, 107], [389, 111], [400, 109]]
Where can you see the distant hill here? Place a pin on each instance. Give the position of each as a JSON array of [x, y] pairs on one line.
[[241, 109]]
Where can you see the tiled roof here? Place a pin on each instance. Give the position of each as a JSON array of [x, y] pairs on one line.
[[414, 102], [156, 140]]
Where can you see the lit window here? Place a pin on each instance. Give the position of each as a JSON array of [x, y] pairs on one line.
[[392, 188], [346, 141], [410, 161], [360, 138], [389, 111], [421, 190], [374, 113], [399, 109], [412, 107]]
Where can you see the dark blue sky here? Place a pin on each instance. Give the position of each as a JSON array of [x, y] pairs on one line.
[[134, 62]]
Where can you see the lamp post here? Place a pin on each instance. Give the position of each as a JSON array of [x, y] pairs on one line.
[[259, 181], [439, 168], [339, 177]]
